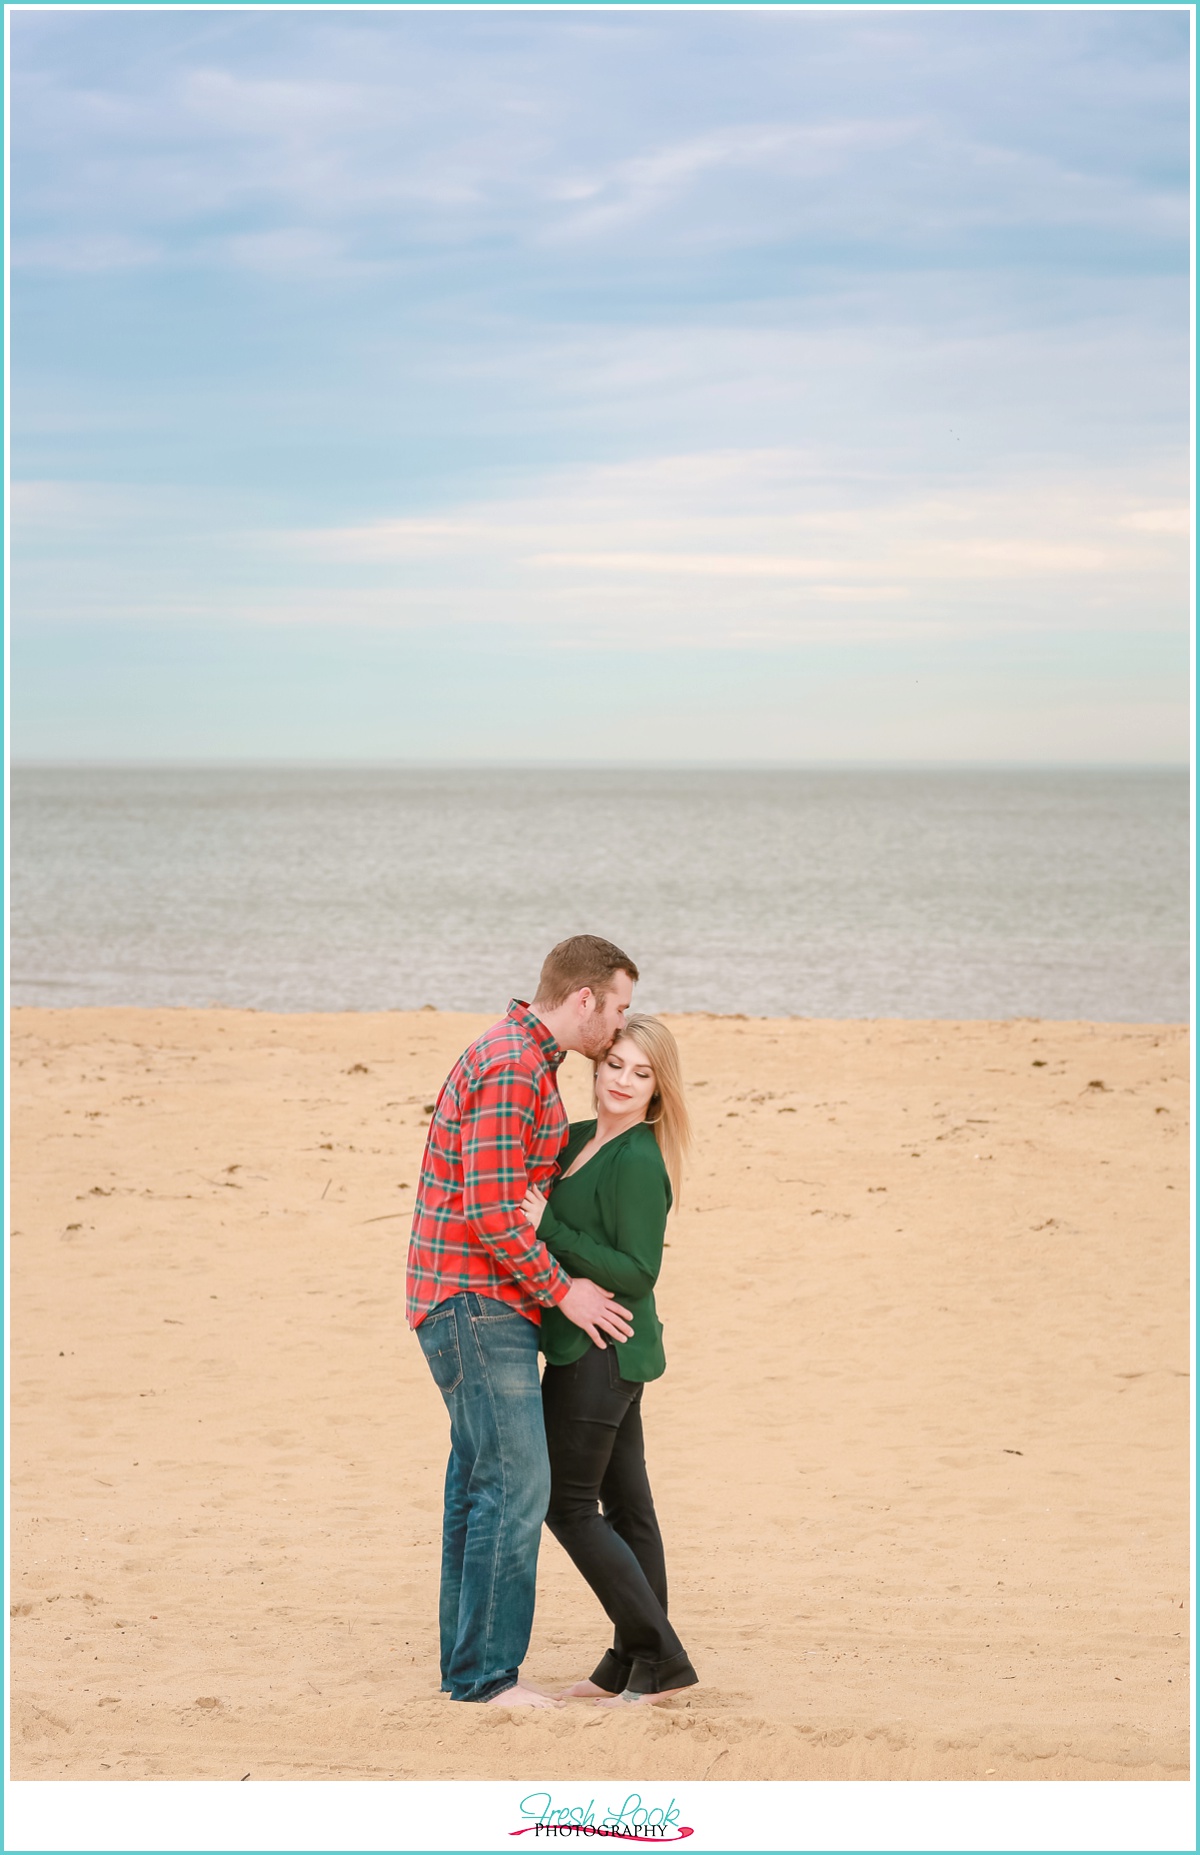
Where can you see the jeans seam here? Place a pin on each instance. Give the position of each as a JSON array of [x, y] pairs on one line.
[[483, 1669], [447, 1390], [499, 1531], [507, 1310]]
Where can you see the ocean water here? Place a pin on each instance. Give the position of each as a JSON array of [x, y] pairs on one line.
[[883, 893]]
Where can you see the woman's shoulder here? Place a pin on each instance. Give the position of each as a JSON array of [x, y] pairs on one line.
[[578, 1135], [641, 1154]]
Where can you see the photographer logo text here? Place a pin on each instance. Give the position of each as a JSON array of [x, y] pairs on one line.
[[635, 1820]]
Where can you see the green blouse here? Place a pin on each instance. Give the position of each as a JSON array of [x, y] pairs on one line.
[[606, 1222]]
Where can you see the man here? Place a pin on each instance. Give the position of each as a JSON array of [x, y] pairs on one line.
[[478, 1278]]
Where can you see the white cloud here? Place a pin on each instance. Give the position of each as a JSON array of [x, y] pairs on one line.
[[728, 547], [1160, 521], [293, 251], [458, 136], [636, 187], [702, 550], [707, 566], [85, 251], [264, 109], [56, 509]]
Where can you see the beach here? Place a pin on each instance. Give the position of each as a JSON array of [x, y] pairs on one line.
[[920, 1454]]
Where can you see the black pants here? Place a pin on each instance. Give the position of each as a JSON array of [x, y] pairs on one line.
[[594, 1435]]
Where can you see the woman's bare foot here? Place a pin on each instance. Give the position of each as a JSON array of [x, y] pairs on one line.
[[521, 1697], [585, 1690], [628, 1699]]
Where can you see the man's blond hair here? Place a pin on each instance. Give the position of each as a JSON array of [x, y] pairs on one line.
[[584, 960]]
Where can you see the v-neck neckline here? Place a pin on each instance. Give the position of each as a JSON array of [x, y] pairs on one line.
[[575, 1171]]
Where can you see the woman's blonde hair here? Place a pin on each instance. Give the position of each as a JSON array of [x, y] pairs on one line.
[[667, 1111]]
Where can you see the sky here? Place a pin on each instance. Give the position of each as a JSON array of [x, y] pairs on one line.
[[704, 386]]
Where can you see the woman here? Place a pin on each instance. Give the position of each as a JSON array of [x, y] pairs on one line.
[[618, 1175]]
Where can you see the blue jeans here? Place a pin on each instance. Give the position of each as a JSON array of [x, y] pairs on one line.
[[484, 1360]]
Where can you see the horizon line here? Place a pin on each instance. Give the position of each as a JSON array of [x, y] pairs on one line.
[[297, 763]]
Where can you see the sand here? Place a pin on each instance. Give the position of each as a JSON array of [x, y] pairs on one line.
[[921, 1452]]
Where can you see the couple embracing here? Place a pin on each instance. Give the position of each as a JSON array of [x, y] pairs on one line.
[[531, 1235]]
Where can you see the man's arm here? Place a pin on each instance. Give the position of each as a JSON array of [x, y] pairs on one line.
[[498, 1120], [497, 1123], [581, 1254]]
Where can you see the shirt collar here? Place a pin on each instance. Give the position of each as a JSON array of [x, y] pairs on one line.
[[519, 1013]]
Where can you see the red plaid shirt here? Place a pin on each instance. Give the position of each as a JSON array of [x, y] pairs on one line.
[[499, 1125]]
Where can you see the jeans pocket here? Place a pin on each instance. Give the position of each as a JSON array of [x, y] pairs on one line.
[[438, 1335], [504, 1347], [489, 1309]]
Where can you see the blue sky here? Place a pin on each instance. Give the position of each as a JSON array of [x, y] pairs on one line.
[[618, 385]]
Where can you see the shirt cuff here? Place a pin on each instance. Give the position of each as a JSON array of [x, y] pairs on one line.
[[560, 1290]]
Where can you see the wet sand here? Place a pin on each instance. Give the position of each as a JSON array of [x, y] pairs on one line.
[[920, 1455]]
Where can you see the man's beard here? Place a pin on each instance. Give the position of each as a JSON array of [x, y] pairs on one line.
[[599, 1043]]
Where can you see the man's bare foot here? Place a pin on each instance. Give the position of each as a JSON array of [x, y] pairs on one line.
[[628, 1699], [521, 1697], [585, 1690]]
